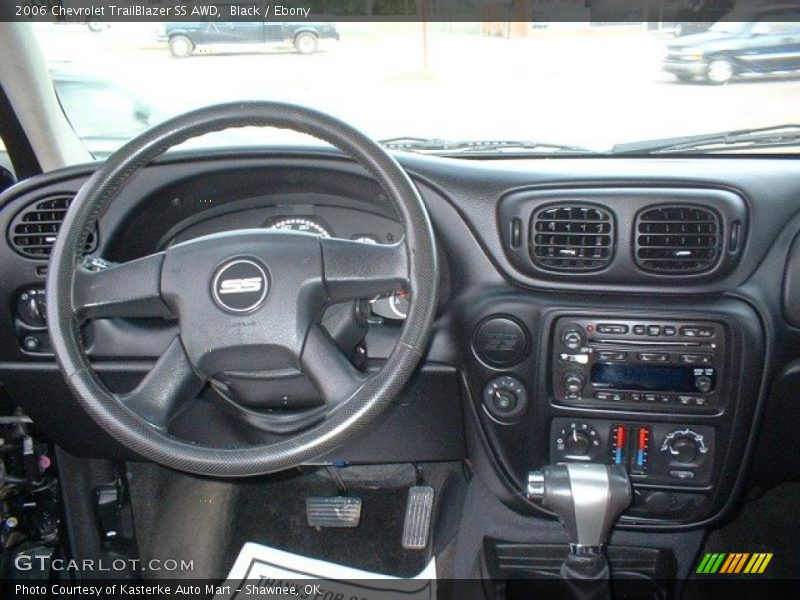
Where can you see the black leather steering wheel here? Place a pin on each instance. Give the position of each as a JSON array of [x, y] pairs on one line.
[[247, 300]]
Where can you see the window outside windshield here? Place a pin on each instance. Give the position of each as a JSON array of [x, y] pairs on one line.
[[580, 85]]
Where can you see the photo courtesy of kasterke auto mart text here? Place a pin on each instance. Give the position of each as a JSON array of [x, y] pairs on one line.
[[399, 299]]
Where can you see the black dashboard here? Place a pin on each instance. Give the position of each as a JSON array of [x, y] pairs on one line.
[[636, 311]]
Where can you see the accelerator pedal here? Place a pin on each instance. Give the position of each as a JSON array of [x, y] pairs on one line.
[[334, 511], [417, 525]]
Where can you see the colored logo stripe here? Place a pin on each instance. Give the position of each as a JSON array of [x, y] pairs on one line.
[[711, 562], [734, 562]]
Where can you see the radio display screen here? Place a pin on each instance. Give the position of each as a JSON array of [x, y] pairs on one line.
[[646, 377]]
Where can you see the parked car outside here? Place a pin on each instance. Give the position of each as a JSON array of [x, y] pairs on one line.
[[184, 38], [741, 45]]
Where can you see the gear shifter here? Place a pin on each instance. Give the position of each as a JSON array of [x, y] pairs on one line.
[[588, 499]]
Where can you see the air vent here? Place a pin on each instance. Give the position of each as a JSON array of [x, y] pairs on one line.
[[572, 237], [33, 231], [677, 239]]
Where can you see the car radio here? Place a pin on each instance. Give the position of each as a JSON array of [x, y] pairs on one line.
[[642, 364]]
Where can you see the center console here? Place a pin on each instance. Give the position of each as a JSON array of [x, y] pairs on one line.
[[666, 391], [639, 365]]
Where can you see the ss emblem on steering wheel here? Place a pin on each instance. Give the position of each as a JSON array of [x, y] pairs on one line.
[[240, 285]]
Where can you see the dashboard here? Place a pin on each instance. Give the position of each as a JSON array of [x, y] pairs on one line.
[[640, 312]]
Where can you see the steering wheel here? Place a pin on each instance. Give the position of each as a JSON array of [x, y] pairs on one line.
[[246, 300]]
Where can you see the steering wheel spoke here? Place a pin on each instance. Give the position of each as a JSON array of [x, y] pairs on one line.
[[329, 370], [131, 289], [357, 270], [166, 387]]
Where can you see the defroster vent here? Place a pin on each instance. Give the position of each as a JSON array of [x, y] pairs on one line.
[[33, 231], [572, 237], [677, 240]]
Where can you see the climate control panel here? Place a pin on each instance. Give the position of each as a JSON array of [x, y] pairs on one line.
[[655, 453]]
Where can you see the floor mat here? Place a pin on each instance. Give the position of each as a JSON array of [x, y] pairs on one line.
[[261, 571], [273, 513], [209, 521]]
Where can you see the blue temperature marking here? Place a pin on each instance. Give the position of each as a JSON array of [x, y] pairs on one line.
[[640, 458], [618, 456]]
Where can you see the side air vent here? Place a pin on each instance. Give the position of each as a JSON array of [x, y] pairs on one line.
[[678, 239], [572, 237], [33, 231]]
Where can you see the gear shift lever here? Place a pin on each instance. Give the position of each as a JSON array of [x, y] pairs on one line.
[[588, 499]]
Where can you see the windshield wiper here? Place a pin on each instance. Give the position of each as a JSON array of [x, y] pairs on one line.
[[440, 146], [741, 139]]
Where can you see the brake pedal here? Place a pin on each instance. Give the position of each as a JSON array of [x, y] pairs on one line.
[[419, 510], [335, 511]]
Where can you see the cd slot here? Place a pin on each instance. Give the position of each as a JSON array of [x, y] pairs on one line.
[[640, 343]]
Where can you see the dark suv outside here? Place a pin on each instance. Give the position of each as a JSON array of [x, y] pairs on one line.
[[742, 45], [184, 38]]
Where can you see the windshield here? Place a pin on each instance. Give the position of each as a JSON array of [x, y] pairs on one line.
[[565, 87]]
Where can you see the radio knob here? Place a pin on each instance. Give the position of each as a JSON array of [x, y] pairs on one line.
[[577, 444], [574, 382], [573, 338], [703, 383]]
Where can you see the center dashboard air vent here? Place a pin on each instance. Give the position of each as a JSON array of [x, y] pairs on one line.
[[679, 239], [572, 237], [33, 230]]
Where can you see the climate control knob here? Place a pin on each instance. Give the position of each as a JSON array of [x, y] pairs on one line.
[[574, 382], [684, 446], [573, 337], [683, 450], [577, 443]]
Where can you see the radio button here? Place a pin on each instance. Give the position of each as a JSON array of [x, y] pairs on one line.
[[650, 397], [669, 330], [609, 355], [697, 359], [612, 328], [638, 329], [654, 330], [653, 357], [665, 398], [697, 332], [685, 400], [635, 397], [610, 396], [700, 400]]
